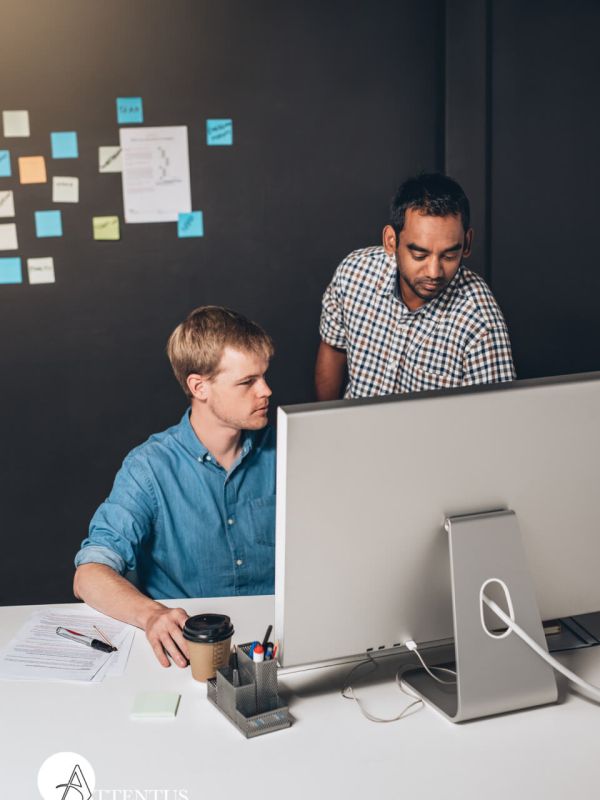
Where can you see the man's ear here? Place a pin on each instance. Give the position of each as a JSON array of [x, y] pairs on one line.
[[390, 240], [468, 243], [198, 386]]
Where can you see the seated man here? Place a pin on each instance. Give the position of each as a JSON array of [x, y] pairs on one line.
[[409, 316], [192, 510]]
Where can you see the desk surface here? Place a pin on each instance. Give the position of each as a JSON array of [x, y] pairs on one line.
[[330, 751]]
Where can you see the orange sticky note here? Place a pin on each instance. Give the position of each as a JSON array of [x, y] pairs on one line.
[[32, 169]]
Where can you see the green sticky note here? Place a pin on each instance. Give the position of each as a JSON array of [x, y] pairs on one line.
[[157, 705], [106, 229]]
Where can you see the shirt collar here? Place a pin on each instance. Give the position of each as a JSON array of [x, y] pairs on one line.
[[187, 436], [389, 273]]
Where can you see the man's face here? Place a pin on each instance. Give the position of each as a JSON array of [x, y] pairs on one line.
[[238, 395], [428, 253]]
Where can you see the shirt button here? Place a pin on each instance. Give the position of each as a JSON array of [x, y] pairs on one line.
[[239, 562], [230, 521], [208, 458]]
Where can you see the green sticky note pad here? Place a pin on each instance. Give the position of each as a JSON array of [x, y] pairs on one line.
[[155, 705], [106, 229]]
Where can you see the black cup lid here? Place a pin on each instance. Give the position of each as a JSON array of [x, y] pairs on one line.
[[207, 628]]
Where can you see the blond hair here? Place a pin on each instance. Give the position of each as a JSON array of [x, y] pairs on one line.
[[196, 345]]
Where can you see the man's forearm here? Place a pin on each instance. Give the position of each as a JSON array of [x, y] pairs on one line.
[[107, 591], [330, 371]]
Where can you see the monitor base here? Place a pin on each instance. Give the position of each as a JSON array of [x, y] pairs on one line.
[[495, 672]]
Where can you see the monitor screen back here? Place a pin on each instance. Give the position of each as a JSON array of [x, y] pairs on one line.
[[363, 488]]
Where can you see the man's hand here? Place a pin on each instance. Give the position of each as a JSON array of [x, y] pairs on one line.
[[163, 631]]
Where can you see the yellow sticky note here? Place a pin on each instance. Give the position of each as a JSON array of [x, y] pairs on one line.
[[32, 169], [106, 229]]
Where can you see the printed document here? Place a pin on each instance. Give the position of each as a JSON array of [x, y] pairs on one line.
[[37, 652], [156, 173]]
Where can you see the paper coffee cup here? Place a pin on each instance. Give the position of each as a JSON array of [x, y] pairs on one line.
[[209, 642]]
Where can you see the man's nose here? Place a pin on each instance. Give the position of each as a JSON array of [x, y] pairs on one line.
[[435, 267], [264, 390]]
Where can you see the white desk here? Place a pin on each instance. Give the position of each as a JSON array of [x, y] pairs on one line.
[[330, 751]]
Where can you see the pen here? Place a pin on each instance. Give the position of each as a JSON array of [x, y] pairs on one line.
[[87, 640], [266, 639], [236, 675]]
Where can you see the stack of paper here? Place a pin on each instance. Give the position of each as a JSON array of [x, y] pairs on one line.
[[38, 653]]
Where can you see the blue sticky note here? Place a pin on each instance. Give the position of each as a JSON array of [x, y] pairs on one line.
[[5, 170], [219, 131], [129, 109], [191, 224], [64, 144], [10, 270], [48, 223]]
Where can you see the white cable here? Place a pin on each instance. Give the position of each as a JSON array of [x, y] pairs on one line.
[[412, 646], [593, 690], [349, 694]]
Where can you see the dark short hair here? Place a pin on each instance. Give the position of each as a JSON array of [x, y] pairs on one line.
[[433, 194]]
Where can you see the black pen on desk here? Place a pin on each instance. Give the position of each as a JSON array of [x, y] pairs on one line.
[[67, 633]]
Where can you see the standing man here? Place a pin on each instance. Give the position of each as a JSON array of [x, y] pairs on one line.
[[192, 510], [408, 316]]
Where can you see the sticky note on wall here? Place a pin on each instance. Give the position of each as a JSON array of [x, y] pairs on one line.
[[110, 158], [10, 270], [65, 190], [15, 123], [8, 237], [32, 169], [5, 169], [219, 131], [48, 224], [64, 144], [7, 204], [129, 109], [190, 225], [106, 229], [41, 270]]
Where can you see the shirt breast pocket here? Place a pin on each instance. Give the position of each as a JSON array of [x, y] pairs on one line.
[[262, 520], [437, 359]]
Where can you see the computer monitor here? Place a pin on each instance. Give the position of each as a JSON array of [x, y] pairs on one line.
[[364, 488]]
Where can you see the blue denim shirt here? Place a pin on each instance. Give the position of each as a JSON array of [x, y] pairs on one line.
[[186, 526]]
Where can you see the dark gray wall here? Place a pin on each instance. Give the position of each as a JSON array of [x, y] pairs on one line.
[[544, 181], [333, 103]]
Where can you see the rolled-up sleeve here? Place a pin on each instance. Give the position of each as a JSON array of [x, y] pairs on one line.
[[123, 522], [331, 328]]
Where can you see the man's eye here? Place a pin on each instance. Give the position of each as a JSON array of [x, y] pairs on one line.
[[419, 258], [246, 383], [451, 256]]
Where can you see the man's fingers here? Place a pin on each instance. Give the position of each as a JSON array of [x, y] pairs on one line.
[[182, 644], [173, 650], [166, 638], [159, 652]]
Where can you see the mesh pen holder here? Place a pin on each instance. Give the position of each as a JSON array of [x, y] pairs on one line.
[[254, 707]]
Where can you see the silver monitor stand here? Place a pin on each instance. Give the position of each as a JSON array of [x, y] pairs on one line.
[[495, 672]]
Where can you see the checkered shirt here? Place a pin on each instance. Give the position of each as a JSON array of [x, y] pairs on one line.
[[457, 339]]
